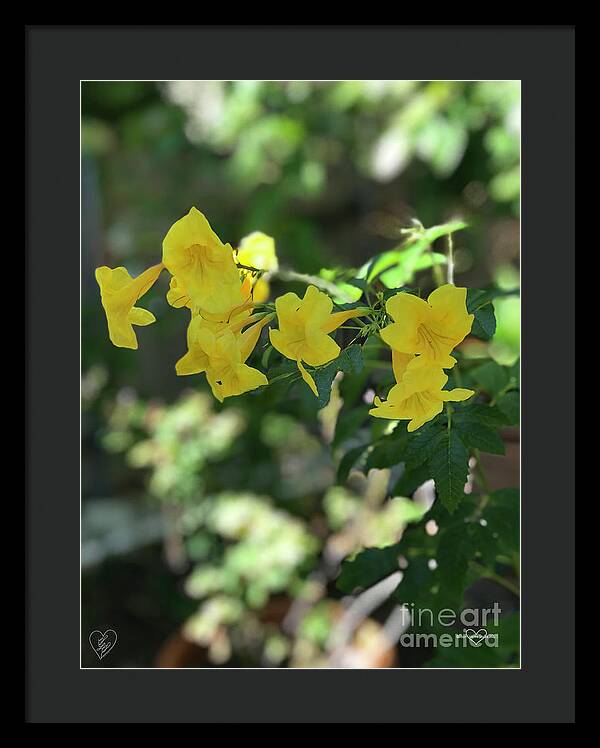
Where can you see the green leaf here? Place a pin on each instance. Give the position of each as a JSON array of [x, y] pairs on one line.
[[264, 360], [406, 263], [444, 229], [410, 480], [491, 377], [454, 552], [477, 298], [283, 366], [398, 266], [384, 454], [488, 414], [348, 461], [485, 543], [479, 304], [350, 305], [502, 517], [348, 423], [443, 455], [350, 361], [449, 466], [421, 443], [358, 283], [367, 568], [417, 581], [484, 324], [477, 434], [508, 404]]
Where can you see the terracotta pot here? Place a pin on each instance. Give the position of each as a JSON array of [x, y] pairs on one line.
[[179, 652], [374, 651]]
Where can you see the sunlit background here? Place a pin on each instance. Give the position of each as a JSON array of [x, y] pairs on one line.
[[211, 535]]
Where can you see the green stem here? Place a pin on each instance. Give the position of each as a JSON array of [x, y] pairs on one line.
[[450, 265], [489, 574], [511, 385], [282, 376], [313, 280], [438, 276], [250, 268]]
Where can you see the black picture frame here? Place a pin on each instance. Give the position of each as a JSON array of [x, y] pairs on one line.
[[57, 59]]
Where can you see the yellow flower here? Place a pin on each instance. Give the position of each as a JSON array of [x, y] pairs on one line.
[[430, 328], [222, 353], [177, 295], [195, 360], [207, 278], [303, 329], [257, 250], [119, 292], [418, 396], [260, 291]]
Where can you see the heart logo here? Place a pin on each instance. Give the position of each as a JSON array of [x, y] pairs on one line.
[[476, 637], [102, 643]]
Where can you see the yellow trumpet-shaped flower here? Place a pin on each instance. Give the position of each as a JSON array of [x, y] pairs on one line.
[[257, 250], [227, 373], [222, 353], [260, 291], [119, 292], [177, 297], [430, 328], [206, 276], [304, 327], [418, 396], [195, 360]]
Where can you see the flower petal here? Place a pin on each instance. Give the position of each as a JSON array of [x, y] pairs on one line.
[[280, 343], [406, 307], [316, 306], [234, 381], [423, 418], [308, 379], [450, 317], [286, 307], [260, 291], [402, 338], [318, 348], [139, 316], [457, 395], [338, 318], [249, 337], [399, 363], [193, 228], [194, 362], [177, 296], [195, 255]]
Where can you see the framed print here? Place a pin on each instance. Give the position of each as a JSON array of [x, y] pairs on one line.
[[299, 428]]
